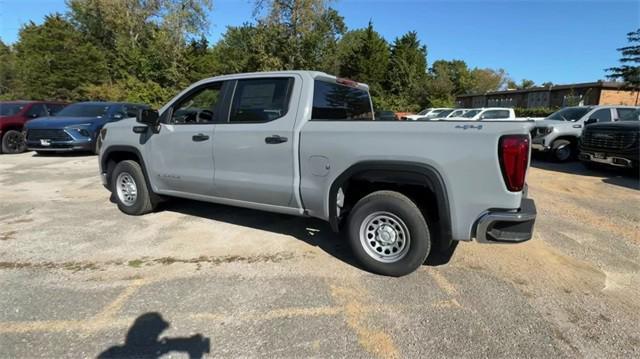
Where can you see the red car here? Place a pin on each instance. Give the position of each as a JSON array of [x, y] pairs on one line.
[[13, 116]]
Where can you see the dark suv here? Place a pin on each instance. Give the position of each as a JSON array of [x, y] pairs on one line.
[[613, 143], [14, 115]]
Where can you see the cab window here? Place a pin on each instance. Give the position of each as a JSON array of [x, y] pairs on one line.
[[37, 110], [199, 107], [335, 102], [602, 115], [260, 100]]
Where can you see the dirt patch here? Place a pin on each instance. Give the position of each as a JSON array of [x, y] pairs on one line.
[[8, 235]]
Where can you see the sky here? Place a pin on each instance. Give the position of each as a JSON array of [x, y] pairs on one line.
[[562, 41]]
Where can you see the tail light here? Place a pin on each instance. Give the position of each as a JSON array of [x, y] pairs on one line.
[[513, 151]]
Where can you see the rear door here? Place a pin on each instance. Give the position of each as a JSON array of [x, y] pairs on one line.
[[254, 150], [182, 150]]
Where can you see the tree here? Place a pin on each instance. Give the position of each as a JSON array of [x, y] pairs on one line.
[[523, 85], [53, 61], [407, 75], [7, 71], [363, 55], [456, 71], [629, 70], [547, 84], [486, 80], [306, 32]]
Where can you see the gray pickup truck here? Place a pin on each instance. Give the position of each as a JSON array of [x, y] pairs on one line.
[[306, 143]]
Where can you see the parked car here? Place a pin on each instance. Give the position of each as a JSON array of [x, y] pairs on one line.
[[558, 134], [612, 143], [76, 127], [489, 113], [304, 143], [427, 113], [385, 116], [14, 115]]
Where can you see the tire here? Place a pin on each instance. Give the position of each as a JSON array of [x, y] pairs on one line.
[[13, 142], [562, 150], [127, 178], [398, 243]]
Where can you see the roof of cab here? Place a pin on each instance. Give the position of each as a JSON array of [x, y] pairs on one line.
[[303, 73]]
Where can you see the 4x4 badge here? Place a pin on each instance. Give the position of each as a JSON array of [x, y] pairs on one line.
[[466, 127]]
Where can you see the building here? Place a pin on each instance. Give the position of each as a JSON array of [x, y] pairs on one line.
[[591, 93]]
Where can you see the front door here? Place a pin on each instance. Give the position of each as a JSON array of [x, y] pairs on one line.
[[254, 150], [182, 159]]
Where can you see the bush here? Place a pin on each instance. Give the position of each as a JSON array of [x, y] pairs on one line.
[[534, 112]]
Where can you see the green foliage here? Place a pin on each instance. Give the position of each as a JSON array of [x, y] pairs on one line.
[[629, 69], [487, 80], [54, 61], [523, 85], [534, 112], [7, 70], [363, 55]]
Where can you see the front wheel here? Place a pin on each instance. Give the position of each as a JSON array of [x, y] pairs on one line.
[[388, 234], [562, 150], [129, 187], [13, 142]]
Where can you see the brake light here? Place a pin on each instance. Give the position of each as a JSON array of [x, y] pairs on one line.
[[346, 82], [513, 151]]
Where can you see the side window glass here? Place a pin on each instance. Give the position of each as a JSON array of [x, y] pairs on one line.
[[37, 110], [131, 111], [260, 100], [627, 114], [199, 107], [335, 102], [54, 108], [603, 115]]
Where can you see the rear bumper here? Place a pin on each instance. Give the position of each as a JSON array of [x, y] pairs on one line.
[[618, 158], [507, 226]]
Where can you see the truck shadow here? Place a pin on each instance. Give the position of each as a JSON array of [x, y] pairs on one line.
[[312, 231], [615, 176], [143, 341]]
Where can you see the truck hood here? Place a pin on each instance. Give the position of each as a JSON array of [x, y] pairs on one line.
[[554, 123], [616, 126], [61, 122]]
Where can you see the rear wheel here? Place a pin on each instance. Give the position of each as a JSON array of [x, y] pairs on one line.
[[562, 150], [13, 142], [129, 186], [388, 233]]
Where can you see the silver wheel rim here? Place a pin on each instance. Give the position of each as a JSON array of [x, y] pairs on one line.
[[385, 237], [127, 189], [563, 152]]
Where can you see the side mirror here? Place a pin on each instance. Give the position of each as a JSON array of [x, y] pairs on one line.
[[34, 115], [148, 117], [590, 121]]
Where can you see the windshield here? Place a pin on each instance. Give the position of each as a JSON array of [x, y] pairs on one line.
[[456, 113], [10, 109], [633, 115], [569, 114], [424, 112], [471, 113], [444, 113], [84, 110]]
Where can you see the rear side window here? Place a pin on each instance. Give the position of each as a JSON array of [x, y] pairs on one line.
[[628, 114], [334, 102], [37, 110], [260, 100]]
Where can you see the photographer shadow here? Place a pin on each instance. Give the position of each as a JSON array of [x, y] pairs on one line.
[[143, 341]]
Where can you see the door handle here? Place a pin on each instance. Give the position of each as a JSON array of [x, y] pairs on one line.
[[200, 137], [272, 140]]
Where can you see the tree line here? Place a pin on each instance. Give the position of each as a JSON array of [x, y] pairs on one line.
[[148, 50]]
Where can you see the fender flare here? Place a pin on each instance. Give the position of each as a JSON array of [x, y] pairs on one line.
[[432, 179], [106, 155]]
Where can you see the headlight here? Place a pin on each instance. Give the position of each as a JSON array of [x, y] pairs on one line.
[[82, 129], [547, 130]]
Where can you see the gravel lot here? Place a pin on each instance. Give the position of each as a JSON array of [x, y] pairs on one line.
[[78, 277]]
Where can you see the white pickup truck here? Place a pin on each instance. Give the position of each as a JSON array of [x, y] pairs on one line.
[[307, 143]]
